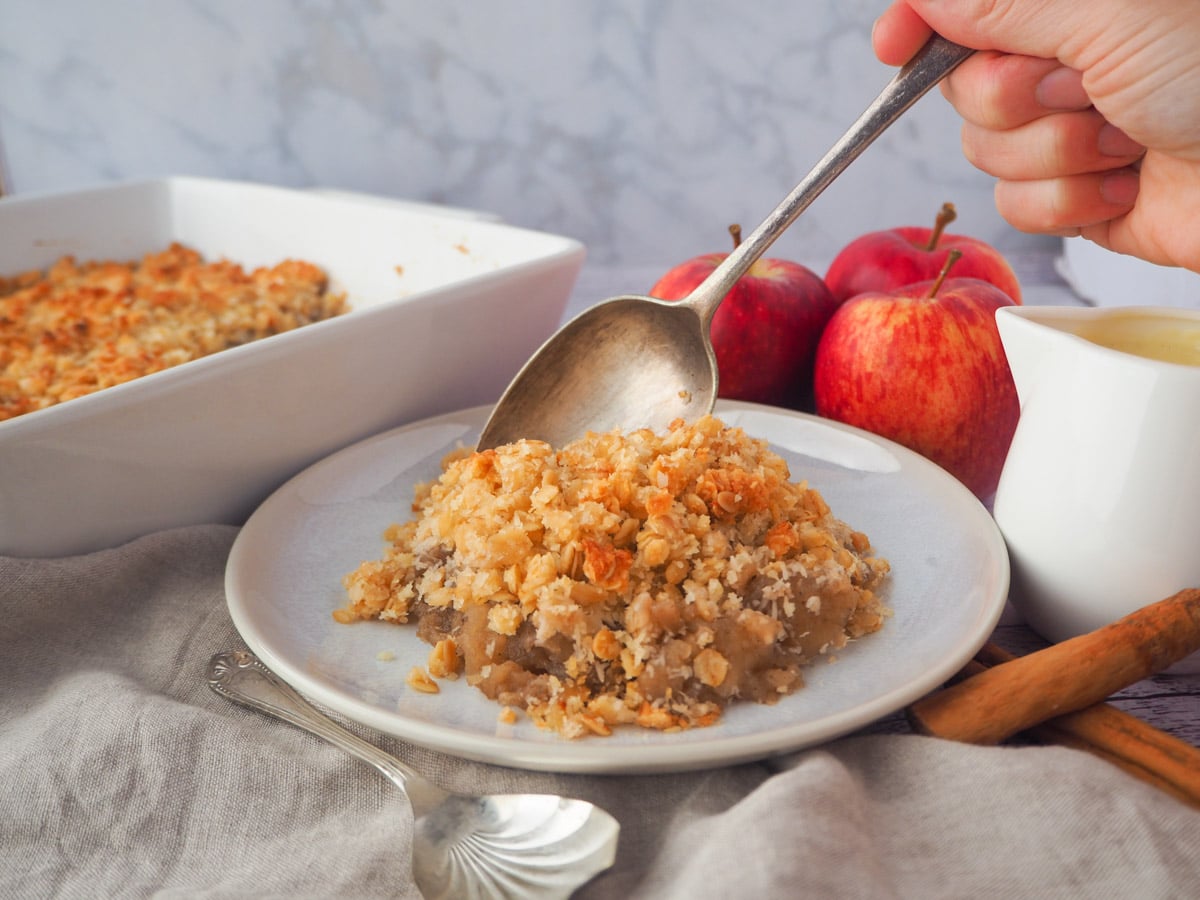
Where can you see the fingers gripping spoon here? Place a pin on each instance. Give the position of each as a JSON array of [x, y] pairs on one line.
[[527, 846], [633, 362]]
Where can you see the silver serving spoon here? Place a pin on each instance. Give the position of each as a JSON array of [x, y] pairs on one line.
[[535, 846], [637, 362]]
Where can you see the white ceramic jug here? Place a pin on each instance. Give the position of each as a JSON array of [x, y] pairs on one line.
[[1099, 500]]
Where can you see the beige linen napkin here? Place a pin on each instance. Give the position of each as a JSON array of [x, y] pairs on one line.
[[124, 776]]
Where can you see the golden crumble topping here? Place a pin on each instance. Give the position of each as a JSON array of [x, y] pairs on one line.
[[624, 578], [80, 327]]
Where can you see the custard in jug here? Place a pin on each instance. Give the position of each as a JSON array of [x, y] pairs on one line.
[[1151, 336]]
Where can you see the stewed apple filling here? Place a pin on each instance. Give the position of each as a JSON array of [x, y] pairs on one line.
[[624, 578]]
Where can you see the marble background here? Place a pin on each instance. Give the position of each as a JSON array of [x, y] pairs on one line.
[[641, 128]]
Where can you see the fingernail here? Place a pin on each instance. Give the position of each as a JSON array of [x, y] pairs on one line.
[[1062, 88], [1120, 188], [1112, 141]]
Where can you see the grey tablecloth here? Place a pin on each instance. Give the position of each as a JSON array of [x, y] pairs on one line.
[[123, 776]]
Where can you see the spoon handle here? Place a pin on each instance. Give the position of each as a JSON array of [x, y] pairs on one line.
[[933, 62], [240, 676]]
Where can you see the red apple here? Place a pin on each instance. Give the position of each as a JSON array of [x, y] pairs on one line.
[[923, 365], [884, 260], [765, 331]]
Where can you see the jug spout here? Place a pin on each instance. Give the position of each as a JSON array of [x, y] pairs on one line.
[[1034, 338], [1029, 337]]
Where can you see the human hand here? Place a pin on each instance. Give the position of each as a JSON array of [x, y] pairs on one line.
[[1087, 113]]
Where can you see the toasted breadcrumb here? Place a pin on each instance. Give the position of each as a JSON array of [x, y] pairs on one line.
[[625, 579], [80, 327]]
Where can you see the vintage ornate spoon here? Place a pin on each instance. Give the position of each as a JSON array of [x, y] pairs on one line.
[[493, 846], [633, 362]]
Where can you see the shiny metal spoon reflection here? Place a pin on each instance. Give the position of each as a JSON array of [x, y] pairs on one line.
[[464, 847], [636, 362]]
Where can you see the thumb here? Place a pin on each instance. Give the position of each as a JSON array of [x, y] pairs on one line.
[[1077, 34]]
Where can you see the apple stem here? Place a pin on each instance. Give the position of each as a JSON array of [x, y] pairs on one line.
[[735, 230], [951, 258], [946, 215]]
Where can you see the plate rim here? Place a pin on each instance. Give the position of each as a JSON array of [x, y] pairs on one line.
[[597, 756]]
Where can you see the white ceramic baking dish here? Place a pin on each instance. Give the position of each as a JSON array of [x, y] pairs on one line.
[[445, 307]]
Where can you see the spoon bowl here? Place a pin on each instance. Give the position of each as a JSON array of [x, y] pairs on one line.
[[528, 846], [652, 352], [636, 362]]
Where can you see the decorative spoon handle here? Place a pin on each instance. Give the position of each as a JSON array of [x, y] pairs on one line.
[[933, 62], [240, 676]]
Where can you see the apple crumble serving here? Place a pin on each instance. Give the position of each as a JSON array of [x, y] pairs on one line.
[[80, 327], [624, 578]]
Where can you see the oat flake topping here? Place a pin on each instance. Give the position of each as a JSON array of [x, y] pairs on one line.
[[624, 578]]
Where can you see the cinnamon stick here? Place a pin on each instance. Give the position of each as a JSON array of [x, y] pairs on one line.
[[1018, 694], [1125, 741]]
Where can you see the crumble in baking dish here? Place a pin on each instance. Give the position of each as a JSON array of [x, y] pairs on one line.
[[79, 327]]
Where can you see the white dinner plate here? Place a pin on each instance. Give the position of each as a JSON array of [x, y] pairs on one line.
[[947, 588]]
